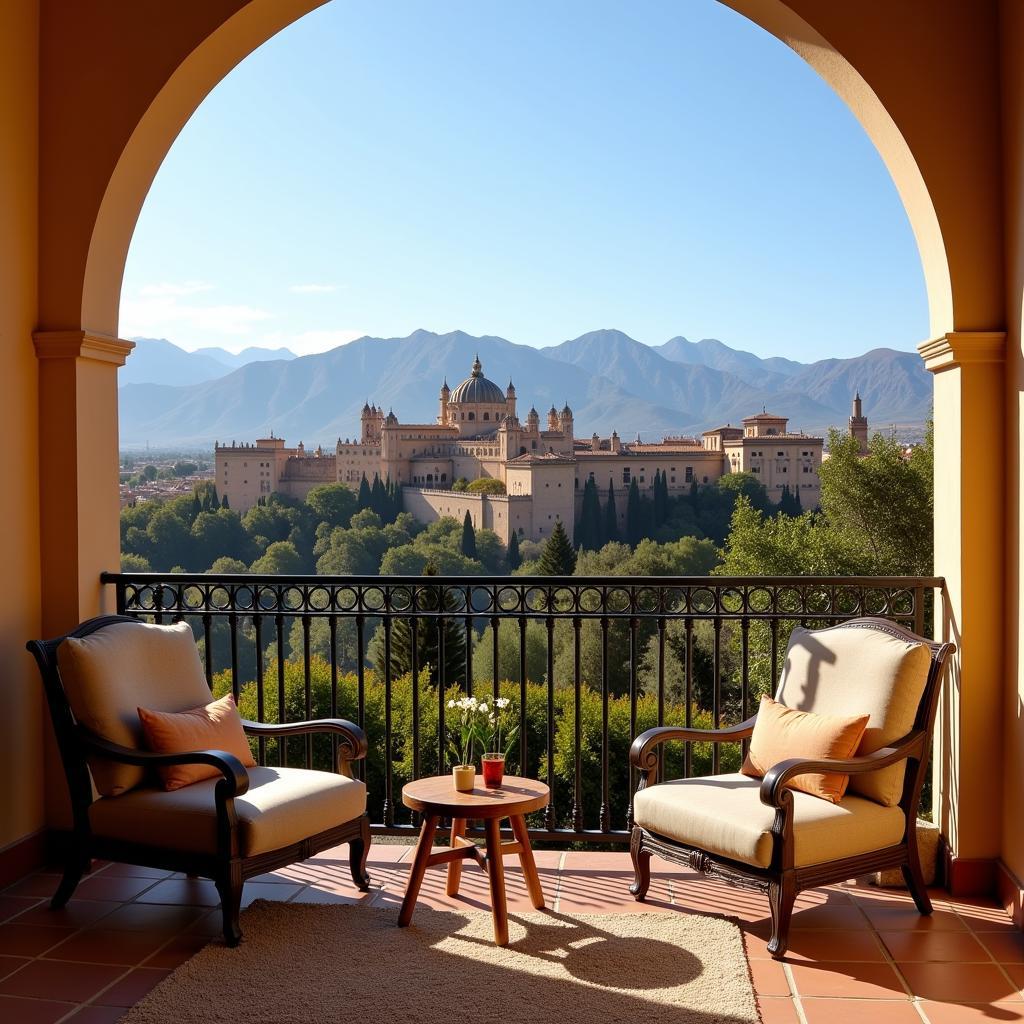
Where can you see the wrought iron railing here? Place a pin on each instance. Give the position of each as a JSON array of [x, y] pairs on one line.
[[590, 662]]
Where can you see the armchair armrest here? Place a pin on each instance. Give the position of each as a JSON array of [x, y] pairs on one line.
[[774, 782], [236, 777], [643, 754], [353, 744]]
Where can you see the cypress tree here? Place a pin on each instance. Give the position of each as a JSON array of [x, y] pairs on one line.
[[468, 545], [611, 518], [558, 557], [363, 500], [426, 640], [378, 500], [658, 508], [224, 502], [588, 537], [634, 515], [798, 505], [512, 557], [197, 505]]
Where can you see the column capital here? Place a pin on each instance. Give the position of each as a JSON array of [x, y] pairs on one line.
[[81, 345], [959, 348]]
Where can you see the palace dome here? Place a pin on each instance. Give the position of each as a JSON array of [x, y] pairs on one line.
[[477, 389]]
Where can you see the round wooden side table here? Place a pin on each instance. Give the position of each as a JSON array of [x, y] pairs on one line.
[[437, 798]]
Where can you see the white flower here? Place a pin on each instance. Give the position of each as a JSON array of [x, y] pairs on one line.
[[483, 709], [451, 703], [503, 702]]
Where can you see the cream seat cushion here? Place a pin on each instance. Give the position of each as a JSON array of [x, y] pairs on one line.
[[857, 670], [723, 814], [109, 674], [282, 806]]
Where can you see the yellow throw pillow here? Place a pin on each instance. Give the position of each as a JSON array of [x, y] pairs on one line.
[[781, 733], [215, 726]]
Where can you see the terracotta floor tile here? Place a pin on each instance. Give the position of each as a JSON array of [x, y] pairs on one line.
[[777, 1010], [75, 914], [32, 1011], [598, 860], [9, 964], [192, 892], [177, 951], [769, 978], [979, 1013], [967, 983], [605, 894], [148, 917], [312, 894], [853, 1011], [268, 891], [1016, 974], [132, 987], [110, 887], [847, 980], [135, 871], [11, 906], [39, 884], [703, 897], [823, 946], [58, 979], [912, 945], [97, 1015], [829, 916], [30, 939], [109, 946], [896, 917], [1005, 947]]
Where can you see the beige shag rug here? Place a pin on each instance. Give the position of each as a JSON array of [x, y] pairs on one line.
[[327, 964]]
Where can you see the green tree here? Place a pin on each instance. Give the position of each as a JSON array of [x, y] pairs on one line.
[[149, 473], [428, 632], [611, 517], [169, 540], [363, 499], [588, 531], [134, 563], [468, 545], [485, 485], [225, 566], [185, 468], [220, 534], [280, 559], [512, 558], [559, 558], [634, 515], [334, 504]]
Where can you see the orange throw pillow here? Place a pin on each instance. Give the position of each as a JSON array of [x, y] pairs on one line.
[[215, 726], [782, 733]]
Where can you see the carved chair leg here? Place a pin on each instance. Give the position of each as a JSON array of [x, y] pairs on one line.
[[229, 886], [641, 864], [781, 895], [914, 878], [358, 851], [78, 864]]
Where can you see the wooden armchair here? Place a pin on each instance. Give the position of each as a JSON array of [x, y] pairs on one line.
[[760, 833], [245, 823]]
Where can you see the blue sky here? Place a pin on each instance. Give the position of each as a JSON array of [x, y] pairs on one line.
[[531, 170]]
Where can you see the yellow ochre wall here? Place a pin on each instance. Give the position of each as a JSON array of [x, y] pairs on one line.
[[935, 84], [21, 808]]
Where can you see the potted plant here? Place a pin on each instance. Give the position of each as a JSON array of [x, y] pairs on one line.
[[465, 728], [503, 732]]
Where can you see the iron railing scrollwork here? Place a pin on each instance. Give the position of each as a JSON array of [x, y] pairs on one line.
[[591, 662]]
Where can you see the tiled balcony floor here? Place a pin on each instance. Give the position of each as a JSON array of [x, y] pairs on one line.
[[858, 954]]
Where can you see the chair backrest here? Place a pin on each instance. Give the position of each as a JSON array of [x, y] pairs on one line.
[[99, 675], [866, 666]]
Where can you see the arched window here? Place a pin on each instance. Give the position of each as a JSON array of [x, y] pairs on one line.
[[430, 478], [487, 415], [444, 477], [472, 415]]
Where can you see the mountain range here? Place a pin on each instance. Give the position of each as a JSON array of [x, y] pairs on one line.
[[610, 380]]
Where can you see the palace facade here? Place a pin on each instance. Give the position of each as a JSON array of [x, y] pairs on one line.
[[543, 467]]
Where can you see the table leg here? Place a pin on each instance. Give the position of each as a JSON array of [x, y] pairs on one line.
[[419, 868], [496, 877], [533, 886], [455, 866]]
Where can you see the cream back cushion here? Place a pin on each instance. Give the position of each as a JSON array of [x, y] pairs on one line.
[[110, 673], [855, 670]]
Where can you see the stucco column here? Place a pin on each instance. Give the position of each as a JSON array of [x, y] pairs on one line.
[[969, 553], [78, 487]]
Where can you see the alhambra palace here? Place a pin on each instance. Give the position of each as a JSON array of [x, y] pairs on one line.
[[478, 434]]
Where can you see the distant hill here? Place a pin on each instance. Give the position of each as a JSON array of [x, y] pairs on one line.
[[159, 361], [714, 353], [610, 380], [252, 354]]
